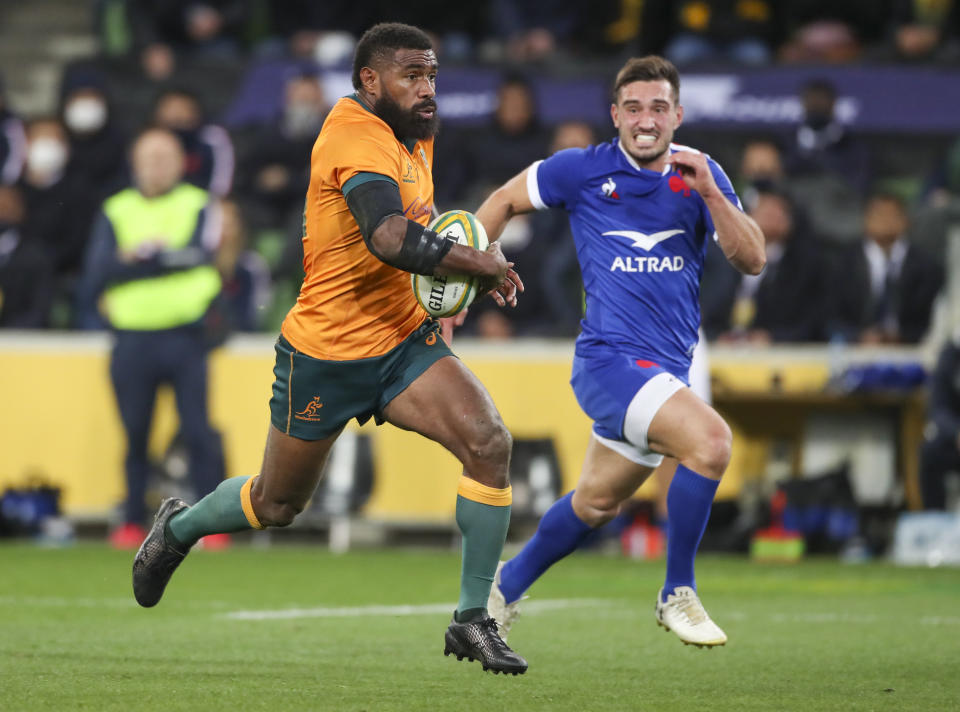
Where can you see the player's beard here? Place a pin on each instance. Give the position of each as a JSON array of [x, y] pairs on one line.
[[406, 123]]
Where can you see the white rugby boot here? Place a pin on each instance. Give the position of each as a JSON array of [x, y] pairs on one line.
[[498, 608], [685, 615]]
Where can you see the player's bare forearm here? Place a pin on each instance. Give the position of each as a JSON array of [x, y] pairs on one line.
[[506, 201], [466, 260], [738, 234]]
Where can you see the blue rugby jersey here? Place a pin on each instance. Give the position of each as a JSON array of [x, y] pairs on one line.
[[641, 239]]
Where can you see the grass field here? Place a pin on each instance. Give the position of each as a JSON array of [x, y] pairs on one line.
[[296, 628]]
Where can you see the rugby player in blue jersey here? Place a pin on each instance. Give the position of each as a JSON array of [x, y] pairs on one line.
[[641, 211]]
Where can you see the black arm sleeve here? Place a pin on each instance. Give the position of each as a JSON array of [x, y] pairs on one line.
[[373, 202], [421, 250]]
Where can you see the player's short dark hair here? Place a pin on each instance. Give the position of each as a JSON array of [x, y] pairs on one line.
[[648, 69], [384, 38]]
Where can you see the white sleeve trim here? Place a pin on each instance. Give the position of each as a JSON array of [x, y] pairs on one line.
[[533, 187]]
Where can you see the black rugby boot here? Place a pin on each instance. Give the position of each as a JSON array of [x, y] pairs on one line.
[[157, 559], [480, 640]]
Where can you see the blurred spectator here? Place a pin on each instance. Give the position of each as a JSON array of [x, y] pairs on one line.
[[822, 144], [244, 274], [885, 287], [761, 165], [458, 29], [189, 27], [701, 31], [26, 271], [97, 143], [940, 453], [944, 185], [150, 264], [208, 147], [59, 205], [924, 31], [939, 208], [275, 171], [829, 168], [542, 247], [784, 303], [486, 157], [13, 142], [298, 27], [831, 32], [531, 31]]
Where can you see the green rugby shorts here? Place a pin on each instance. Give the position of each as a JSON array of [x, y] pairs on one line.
[[312, 398]]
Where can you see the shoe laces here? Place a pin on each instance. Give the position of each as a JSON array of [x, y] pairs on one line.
[[489, 626]]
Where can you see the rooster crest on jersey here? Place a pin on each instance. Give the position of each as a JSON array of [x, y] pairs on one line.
[[442, 296], [610, 189]]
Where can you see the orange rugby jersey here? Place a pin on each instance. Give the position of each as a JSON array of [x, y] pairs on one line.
[[351, 304]]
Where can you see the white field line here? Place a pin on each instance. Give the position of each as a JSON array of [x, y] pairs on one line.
[[93, 602], [532, 607]]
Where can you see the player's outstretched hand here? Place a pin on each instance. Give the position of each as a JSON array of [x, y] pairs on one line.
[[696, 173], [504, 286]]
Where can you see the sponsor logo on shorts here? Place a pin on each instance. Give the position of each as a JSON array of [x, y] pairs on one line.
[[431, 338], [312, 411]]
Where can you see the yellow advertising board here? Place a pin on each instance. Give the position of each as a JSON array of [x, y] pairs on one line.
[[59, 421]]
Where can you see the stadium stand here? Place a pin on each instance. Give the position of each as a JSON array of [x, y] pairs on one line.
[[833, 103]]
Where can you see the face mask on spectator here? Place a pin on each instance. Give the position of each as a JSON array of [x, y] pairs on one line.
[[301, 119], [818, 120], [85, 115], [46, 156]]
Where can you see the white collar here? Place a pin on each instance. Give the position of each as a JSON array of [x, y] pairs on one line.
[[633, 161], [878, 262]]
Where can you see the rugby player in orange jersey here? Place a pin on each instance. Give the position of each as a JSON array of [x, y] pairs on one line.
[[357, 344]]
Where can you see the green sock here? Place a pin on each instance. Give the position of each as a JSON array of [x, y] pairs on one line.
[[220, 512], [484, 529]]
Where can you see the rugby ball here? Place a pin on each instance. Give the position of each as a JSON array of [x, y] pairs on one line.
[[442, 296]]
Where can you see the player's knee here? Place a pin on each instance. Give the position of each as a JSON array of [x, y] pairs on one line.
[[488, 454], [595, 510], [712, 454]]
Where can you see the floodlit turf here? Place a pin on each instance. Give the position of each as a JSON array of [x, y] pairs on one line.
[[814, 636]]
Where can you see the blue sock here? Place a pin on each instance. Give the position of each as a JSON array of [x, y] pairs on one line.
[[688, 508], [560, 531]]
